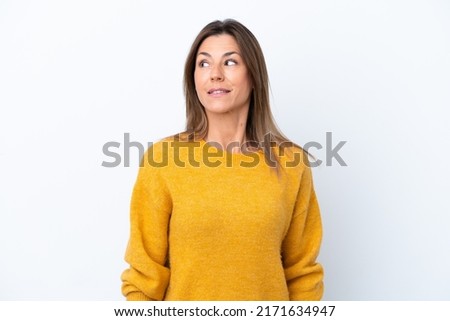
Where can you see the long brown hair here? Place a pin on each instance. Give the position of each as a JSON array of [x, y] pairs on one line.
[[261, 129]]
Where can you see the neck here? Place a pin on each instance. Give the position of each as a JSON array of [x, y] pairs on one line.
[[228, 130]]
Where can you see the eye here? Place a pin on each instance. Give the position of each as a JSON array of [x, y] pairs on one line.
[[230, 62], [203, 64]]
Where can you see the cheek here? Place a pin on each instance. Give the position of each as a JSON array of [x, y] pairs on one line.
[[198, 87], [243, 80], [199, 80], [246, 85]]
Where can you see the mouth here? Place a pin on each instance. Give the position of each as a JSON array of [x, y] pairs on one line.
[[218, 91]]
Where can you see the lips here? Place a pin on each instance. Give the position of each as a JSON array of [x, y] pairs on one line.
[[218, 91]]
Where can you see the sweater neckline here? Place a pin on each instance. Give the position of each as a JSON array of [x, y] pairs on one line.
[[225, 152]]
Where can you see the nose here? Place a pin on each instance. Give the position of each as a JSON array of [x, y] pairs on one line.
[[216, 73]]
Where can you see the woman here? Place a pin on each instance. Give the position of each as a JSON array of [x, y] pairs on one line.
[[227, 209]]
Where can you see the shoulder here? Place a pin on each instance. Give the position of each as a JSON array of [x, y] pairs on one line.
[[296, 166], [292, 157], [161, 152], [157, 152]]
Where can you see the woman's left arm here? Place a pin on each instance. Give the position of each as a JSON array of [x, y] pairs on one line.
[[304, 276]]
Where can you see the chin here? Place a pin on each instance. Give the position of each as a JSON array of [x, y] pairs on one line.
[[218, 109]]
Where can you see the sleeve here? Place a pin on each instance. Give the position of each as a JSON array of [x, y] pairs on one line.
[[147, 276], [304, 276]]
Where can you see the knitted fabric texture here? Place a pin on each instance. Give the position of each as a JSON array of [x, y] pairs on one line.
[[208, 224]]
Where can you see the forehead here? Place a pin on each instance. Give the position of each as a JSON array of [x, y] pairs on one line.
[[219, 44]]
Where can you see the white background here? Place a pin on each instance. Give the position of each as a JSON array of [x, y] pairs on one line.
[[75, 75]]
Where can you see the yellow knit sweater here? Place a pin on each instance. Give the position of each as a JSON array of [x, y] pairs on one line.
[[207, 224]]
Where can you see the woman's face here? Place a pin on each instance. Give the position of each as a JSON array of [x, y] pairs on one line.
[[221, 77]]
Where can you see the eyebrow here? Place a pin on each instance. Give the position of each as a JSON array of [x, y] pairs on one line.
[[224, 55]]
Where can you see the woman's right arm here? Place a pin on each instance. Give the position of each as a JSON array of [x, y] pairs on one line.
[[147, 277]]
